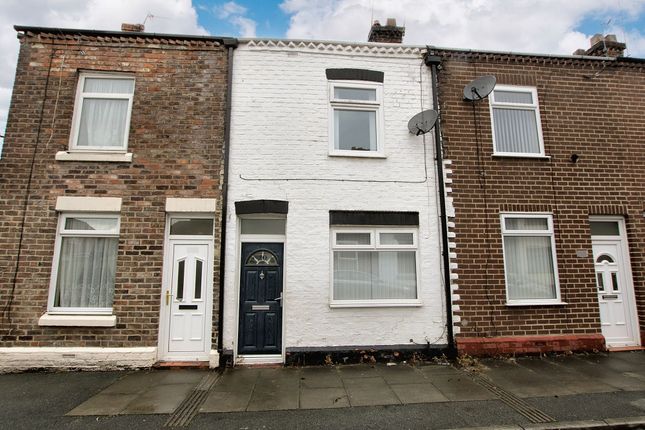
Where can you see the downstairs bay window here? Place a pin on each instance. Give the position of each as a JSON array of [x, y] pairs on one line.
[[530, 263], [374, 267]]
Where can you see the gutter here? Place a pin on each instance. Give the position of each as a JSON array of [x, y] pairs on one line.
[[231, 44], [433, 62]]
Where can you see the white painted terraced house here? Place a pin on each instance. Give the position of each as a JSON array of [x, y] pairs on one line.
[[333, 228]]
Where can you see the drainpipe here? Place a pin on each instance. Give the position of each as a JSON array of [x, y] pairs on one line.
[[434, 61], [231, 44]]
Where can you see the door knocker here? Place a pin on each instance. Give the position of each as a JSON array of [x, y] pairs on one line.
[[261, 275]]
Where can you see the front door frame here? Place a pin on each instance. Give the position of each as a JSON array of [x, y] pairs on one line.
[[629, 292], [164, 311], [259, 238]]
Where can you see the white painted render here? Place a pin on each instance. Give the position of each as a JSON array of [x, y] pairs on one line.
[[14, 359], [279, 131]]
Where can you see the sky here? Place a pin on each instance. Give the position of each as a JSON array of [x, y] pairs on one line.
[[538, 26]]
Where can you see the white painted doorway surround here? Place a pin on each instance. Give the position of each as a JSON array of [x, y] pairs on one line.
[[615, 287]]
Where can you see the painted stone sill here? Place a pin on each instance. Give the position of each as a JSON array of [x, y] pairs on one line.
[[369, 304], [537, 156], [110, 157], [53, 320], [536, 303], [357, 154]]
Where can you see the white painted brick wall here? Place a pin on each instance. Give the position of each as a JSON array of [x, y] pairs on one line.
[[280, 130]]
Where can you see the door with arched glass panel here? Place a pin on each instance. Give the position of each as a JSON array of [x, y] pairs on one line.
[[614, 284], [260, 330]]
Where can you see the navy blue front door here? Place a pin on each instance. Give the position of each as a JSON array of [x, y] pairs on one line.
[[261, 299]]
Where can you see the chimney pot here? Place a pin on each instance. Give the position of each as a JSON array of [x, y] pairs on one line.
[[611, 38], [391, 22], [134, 28], [605, 46]]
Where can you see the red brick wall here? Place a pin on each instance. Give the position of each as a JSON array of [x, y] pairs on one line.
[[176, 136], [589, 108]]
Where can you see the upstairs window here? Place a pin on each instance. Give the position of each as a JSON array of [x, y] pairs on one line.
[[355, 118], [102, 112], [516, 121]]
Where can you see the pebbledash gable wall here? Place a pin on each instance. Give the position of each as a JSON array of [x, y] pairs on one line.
[[176, 138], [589, 107]]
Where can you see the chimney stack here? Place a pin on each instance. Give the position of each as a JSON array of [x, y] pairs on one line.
[[388, 33], [132, 28], [604, 46]]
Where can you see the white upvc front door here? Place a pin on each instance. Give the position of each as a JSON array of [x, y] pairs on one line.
[[186, 301], [615, 290]]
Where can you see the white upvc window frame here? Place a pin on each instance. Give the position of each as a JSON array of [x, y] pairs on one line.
[[61, 232], [534, 107], [78, 109], [549, 232], [356, 105], [375, 246]]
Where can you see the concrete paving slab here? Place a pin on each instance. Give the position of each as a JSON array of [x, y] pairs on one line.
[[320, 377], [369, 391], [619, 380], [418, 393], [522, 381], [357, 371], [103, 404], [135, 382], [272, 400], [237, 379], [627, 421], [429, 371], [162, 399], [181, 376], [461, 388], [616, 361], [566, 377], [224, 401], [401, 374], [323, 398], [597, 406]]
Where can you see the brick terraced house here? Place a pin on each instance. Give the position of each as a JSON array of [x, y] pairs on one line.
[[111, 188], [548, 177]]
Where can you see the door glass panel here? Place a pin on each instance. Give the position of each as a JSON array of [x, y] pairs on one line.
[[198, 279], [191, 226], [600, 281], [604, 258], [614, 281], [262, 258], [604, 228], [353, 238], [180, 280], [263, 226]]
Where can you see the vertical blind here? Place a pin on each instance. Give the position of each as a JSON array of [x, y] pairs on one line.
[[516, 130], [529, 267]]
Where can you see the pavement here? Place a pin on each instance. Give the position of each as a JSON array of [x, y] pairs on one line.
[[604, 390]]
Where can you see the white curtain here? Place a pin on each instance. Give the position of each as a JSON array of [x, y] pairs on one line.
[[368, 275], [516, 130], [103, 119], [86, 272], [529, 268]]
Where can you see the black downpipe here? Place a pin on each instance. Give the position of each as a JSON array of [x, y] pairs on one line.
[[231, 44], [434, 61]]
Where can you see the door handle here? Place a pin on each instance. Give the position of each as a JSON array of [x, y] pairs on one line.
[[279, 299], [168, 296]]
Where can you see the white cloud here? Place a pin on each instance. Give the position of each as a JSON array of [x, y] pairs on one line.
[[228, 9], [236, 15], [170, 16], [547, 26]]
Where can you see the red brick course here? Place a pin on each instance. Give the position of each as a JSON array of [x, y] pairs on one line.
[[176, 136], [590, 108], [493, 346]]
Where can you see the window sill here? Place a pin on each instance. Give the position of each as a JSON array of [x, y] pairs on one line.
[[537, 303], [374, 304], [357, 154], [53, 320], [110, 157], [535, 156]]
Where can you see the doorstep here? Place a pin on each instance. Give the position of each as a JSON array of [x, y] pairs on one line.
[[180, 364]]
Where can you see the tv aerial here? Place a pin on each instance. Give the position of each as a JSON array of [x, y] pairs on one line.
[[479, 88], [423, 122]]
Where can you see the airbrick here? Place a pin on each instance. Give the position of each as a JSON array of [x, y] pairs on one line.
[[262, 207], [354, 75], [373, 218]]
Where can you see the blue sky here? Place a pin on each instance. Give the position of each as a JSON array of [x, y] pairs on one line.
[[540, 26]]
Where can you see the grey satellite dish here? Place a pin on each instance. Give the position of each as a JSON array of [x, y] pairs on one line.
[[479, 88], [423, 122]]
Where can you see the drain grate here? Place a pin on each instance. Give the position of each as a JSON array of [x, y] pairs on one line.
[[533, 414], [187, 410]]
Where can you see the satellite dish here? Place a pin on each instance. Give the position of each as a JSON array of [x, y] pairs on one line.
[[479, 88], [423, 122]]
